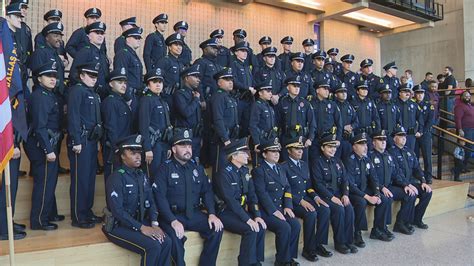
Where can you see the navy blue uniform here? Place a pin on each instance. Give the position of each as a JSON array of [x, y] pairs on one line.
[[285, 61], [306, 86], [390, 117], [208, 66], [130, 199], [389, 176], [350, 79], [83, 116], [171, 67], [412, 174], [235, 188], [374, 82], [223, 56], [393, 83], [330, 180], [295, 117], [155, 126], [117, 118], [243, 80], [321, 76], [297, 174], [44, 120], [24, 45], [185, 57], [179, 190], [79, 40], [411, 119], [425, 142], [155, 49], [348, 117], [262, 126], [308, 66], [40, 41], [274, 194], [43, 55], [367, 114], [275, 75], [119, 43]]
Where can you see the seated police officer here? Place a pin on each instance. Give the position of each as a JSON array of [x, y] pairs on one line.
[[413, 177], [307, 204], [131, 218], [274, 195], [330, 181], [181, 185], [238, 203], [364, 189], [391, 184]]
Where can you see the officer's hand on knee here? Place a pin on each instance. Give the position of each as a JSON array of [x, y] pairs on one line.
[[149, 231], [216, 222], [307, 206], [261, 222], [337, 201], [319, 201], [51, 157], [253, 225], [426, 187], [387, 192], [289, 212], [279, 215], [178, 228], [345, 200], [415, 190]]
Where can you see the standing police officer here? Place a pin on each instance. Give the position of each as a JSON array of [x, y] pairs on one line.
[[208, 66], [319, 75], [84, 132], [285, 57], [333, 52], [369, 120], [264, 42], [411, 117], [223, 53], [125, 24], [347, 76], [131, 216], [181, 187], [181, 28], [52, 16], [296, 69], [374, 82], [308, 47], [155, 47], [388, 112], [269, 71], [239, 36], [238, 204], [390, 77], [79, 38], [329, 66], [349, 121]]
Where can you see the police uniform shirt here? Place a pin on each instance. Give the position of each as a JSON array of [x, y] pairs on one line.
[[208, 66], [242, 76], [306, 86], [262, 121], [427, 112], [350, 79], [295, 117], [308, 66], [187, 109], [25, 47], [45, 54], [127, 58], [277, 77], [171, 67], [389, 115], [328, 117], [235, 186], [393, 83], [40, 41], [223, 56], [185, 57], [79, 40], [338, 69], [224, 114], [408, 164], [320, 76], [411, 117], [374, 82], [154, 49], [387, 171], [117, 118], [119, 43], [123, 197], [297, 174], [329, 177], [361, 175], [334, 82], [285, 61], [170, 188], [153, 113], [348, 116], [44, 116], [367, 114]]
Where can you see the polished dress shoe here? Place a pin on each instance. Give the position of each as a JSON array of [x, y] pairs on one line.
[[95, 219], [62, 170], [57, 218], [353, 248], [45, 227], [323, 252], [16, 236], [292, 262], [401, 228], [421, 225], [410, 227], [358, 241], [309, 255], [83, 224], [388, 233], [21, 173], [19, 227], [341, 248], [379, 234]]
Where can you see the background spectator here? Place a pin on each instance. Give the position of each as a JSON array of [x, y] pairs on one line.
[[409, 75], [464, 117]]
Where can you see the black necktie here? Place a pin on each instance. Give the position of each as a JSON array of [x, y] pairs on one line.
[[188, 188], [405, 115], [363, 118], [333, 175], [293, 114], [386, 172], [363, 175], [405, 165], [275, 168], [141, 192], [390, 123]]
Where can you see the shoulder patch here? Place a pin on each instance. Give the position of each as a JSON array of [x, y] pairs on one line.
[[228, 168], [121, 171]]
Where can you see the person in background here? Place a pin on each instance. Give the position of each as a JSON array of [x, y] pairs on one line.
[[433, 96], [464, 118], [426, 81], [409, 75], [459, 157]]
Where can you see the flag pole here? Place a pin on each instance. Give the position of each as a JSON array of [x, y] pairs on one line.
[[9, 214]]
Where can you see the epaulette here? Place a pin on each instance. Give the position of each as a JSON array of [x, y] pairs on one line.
[[125, 49], [168, 161], [87, 47], [228, 168], [110, 95], [45, 93], [121, 171], [42, 46], [192, 161], [352, 156]]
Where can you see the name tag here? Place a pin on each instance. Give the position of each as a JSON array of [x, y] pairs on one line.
[[174, 175], [90, 97], [233, 184], [128, 185], [293, 177], [271, 182]]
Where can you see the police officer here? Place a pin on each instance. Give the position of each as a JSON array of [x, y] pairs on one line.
[[388, 112], [374, 82], [308, 47], [154, 123], [238, 204], [223, 53], [413, 178], [93, 52], [269, 71], [391, 185], [369, 120], [425, 142], [79, 38], [347, 76], [84, 131], [208, 66], [181, 187], [295, 117], [411, 117], [117, 118], [296, 69], [349, 121], [307, 205], [54, 15], [224, 117], [187, 102], [330, 181], [332, 53], [264, 42], [319, 75], [240, 35], [285, 56], [132, 217], [390, 77], [364, 189], [155, 47], [329, 66], [172, 66], [275, 198], [44, 117], [244, 89], [185, 58], [262, 125], [125, 24]]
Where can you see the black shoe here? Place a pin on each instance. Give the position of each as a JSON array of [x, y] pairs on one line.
[[341, 248], [292, 262], [388, 233], [62, 170], [258, 263], [358, 241], [45, 227], [57, 218], [421, 225], [401, 228], [100, 170], [21, 173], [410, 227], [352, 248], [323, 252], [379, 234], [310, 256], [83, 224], [95, 219], [19, 227], [16, 236], [429, 181]]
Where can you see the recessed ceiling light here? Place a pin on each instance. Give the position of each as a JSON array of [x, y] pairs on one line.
[[306, 3]]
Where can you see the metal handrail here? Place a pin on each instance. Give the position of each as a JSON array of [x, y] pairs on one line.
[[454, 135], [446, 112], [447, 120]]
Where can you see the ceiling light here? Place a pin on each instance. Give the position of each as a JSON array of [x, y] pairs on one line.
[[305, 3], [369, 19]]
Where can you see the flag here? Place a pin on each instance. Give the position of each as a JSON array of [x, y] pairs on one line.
[[6, 127], [13, 81]]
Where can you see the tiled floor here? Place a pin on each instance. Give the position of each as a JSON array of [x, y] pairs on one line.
[[448, 241]]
